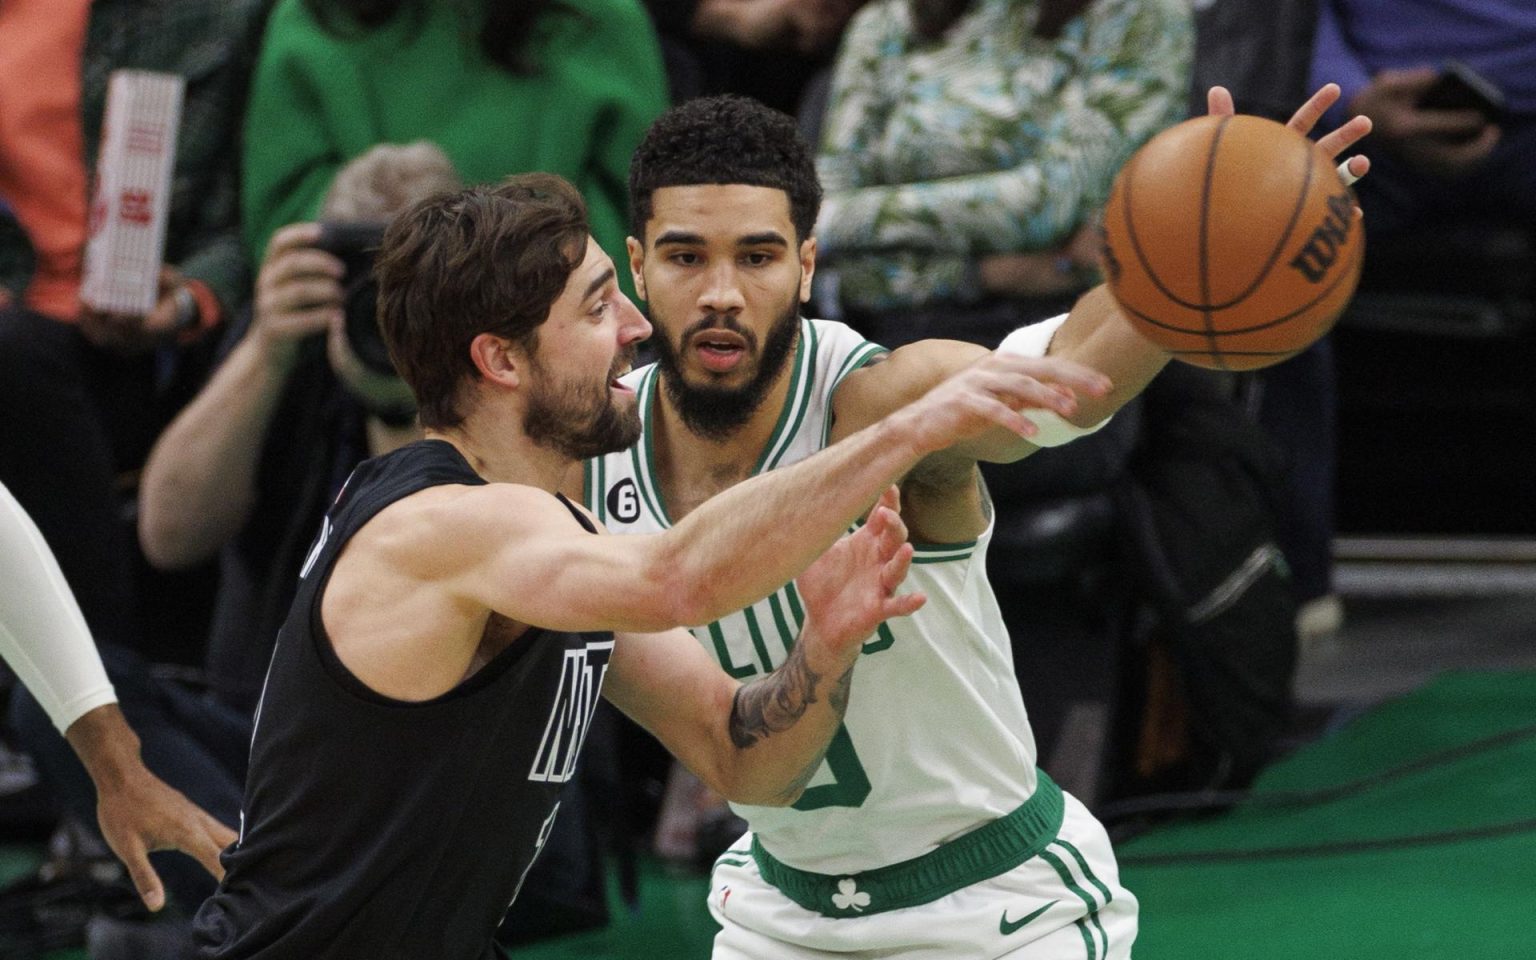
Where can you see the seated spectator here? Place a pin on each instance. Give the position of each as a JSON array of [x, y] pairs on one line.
[[246, 472], [1428, 164], [565, 87], [83, 393], [771, 50], [968, 145]]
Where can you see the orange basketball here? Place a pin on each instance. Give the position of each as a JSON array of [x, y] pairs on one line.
[[1231, 242]]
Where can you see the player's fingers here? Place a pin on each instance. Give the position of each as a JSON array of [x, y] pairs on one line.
[[1035, 395], [1218, 102], [890, 498], [1408, 83], [1058, 370], [1307, 115], [903, 605], [1347, 135], [1474, 150], [145, 880], [892, 530], [204, 846], [1004, 416], [1351, 170], [895, 569]]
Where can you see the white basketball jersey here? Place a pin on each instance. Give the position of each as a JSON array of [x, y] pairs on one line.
[[935, 741]]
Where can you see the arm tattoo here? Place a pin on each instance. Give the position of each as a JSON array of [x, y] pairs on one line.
[[777, 702], [837, 699]]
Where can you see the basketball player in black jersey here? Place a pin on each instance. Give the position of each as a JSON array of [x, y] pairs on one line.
[[456, 619]]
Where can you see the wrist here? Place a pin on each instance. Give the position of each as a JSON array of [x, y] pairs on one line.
[[899, 436], [108, 748]]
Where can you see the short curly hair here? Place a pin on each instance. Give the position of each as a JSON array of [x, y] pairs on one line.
[[725, 140]]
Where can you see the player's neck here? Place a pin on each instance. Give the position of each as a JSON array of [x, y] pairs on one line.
[[503, 454], [691, 466]]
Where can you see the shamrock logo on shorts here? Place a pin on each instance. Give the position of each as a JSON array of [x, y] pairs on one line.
[[849, 897]]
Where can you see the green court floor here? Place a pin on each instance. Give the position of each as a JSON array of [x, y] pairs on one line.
[[1416, 838]]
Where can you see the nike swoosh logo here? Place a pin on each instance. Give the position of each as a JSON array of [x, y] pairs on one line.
[[1006, 926]]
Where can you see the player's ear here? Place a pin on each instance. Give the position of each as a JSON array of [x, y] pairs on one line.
[[498, 361], [636, 264], [807, 266]]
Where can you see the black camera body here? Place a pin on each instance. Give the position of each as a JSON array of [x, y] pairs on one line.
[[356, 245]]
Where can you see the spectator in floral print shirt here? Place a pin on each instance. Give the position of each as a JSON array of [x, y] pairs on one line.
[[968, 145]]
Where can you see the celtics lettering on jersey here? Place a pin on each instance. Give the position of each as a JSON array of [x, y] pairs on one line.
[[906, 768]]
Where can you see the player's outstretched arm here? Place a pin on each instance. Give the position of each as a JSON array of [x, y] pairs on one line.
[[137, 811], [761, 742], [43, 637], [519, 553], [1095, 336]]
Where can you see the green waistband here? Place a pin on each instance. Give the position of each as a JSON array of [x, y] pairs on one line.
[[979, 855]]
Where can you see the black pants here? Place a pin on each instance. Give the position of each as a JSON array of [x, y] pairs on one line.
[[57, 459]]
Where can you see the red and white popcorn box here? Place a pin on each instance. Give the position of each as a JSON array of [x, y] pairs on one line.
[[132, 194]]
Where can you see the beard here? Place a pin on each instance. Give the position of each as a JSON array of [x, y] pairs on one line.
[[578, 420], [715, 412]]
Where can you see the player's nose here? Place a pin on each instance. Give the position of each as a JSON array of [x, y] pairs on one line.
[[722, 290], [633, 325]]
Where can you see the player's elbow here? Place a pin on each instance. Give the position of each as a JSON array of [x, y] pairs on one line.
[[682, 595], [752, 791]]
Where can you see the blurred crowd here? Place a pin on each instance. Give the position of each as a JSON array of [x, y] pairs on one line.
[[178, 460]]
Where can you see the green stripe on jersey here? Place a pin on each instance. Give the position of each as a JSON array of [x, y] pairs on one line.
[[643, 455], [786, 635], [798, 399]]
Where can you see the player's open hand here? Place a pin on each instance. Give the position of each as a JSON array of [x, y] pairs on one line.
[[851, 589], [141, 814], [991, 393], [1219, 104]]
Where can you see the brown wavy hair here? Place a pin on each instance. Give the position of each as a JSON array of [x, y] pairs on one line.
[[488, 259]]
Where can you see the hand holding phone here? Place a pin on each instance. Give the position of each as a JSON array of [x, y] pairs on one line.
[[1460, 87]]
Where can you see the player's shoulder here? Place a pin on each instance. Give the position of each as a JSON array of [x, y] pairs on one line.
[[466, 521]]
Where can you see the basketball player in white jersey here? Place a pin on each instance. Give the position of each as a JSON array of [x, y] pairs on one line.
[[928, 831], [456, 619]]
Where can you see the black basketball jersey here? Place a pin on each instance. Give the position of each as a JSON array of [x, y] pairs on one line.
[[375, 829]]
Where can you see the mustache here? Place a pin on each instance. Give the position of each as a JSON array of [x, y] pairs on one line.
[[623, 360], [722, 321]]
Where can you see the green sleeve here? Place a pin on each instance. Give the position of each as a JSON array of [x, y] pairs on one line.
[[289, 159], [635, 55]]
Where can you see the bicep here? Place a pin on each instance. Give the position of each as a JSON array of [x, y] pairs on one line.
[[527, 558], [871, 393]]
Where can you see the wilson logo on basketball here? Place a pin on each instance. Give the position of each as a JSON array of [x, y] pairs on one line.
[[1323, 246]]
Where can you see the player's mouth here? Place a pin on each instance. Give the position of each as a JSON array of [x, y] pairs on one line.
[[614, 382], [719, 351]]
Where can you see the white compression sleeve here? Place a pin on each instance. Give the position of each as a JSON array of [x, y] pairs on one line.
[[43, 636], [1033, 341]]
